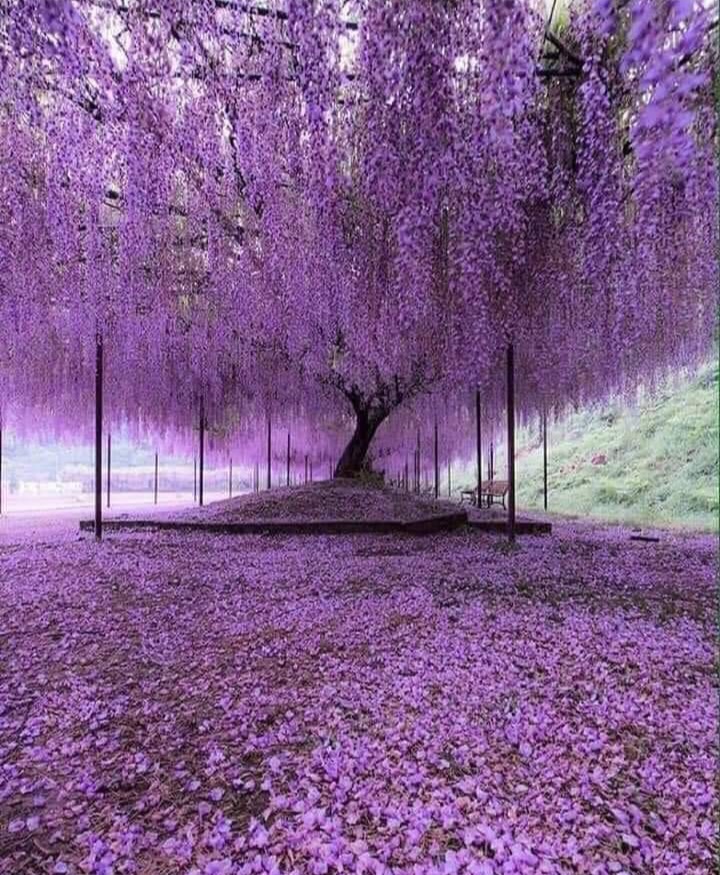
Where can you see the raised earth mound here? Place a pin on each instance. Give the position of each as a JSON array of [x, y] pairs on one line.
[[337, 500]]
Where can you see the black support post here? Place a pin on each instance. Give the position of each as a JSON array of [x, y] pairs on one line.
[[155, 488], [287, 462], [108, 471], [98, 435], [417, 462], [202, 451], [545, 485], [437, 463], [511, 439], [478, 444], [269, 453]]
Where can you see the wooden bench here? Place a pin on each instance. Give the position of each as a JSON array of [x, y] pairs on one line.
[[468, 495], [493, 492]]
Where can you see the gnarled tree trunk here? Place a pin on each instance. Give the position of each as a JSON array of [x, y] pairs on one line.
[[372, 408], [355, 455]]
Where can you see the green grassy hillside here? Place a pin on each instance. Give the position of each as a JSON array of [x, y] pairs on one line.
[[654, 464]]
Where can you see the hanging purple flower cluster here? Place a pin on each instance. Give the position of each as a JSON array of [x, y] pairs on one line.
[[292, 207]]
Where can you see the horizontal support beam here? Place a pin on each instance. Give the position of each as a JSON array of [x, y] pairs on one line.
[[562, 73], [245, 8], [563, 49]]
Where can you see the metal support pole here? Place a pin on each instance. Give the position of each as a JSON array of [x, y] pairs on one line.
[[287, 462], [306, 469], [230, 480], [201, 482], [511, 440], [437, 464], [269, 451], [545, 485], [491, 463], [478, 444], [449, 480], [417, 464], [98, 435], [311, 471], [194, 478], [0, 467], [108, 471], [155, 491]]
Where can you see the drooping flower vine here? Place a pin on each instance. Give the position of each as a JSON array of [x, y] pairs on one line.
[[318, 208]]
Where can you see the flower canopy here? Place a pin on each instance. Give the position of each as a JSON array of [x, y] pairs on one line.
[[292, 206]]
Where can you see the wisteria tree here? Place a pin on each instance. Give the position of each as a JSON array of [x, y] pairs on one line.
[[358, 202]]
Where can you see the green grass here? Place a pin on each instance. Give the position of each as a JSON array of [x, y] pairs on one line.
[[661, 459]]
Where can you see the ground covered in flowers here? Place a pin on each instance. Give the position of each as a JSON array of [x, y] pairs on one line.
[[208, 704]]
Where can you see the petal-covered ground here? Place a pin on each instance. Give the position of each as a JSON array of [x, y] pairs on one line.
[[217, 705]]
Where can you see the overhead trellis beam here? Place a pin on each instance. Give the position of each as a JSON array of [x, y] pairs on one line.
[[244, 8], [564, 51], [573, 62], [563, 73]]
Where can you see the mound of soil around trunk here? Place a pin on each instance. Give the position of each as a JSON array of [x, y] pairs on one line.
[[341, 499]]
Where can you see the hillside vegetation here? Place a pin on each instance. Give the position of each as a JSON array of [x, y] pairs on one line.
[[656, 463]]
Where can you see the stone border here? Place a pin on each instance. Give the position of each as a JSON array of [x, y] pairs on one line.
[[522, 527], [424, 526]]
